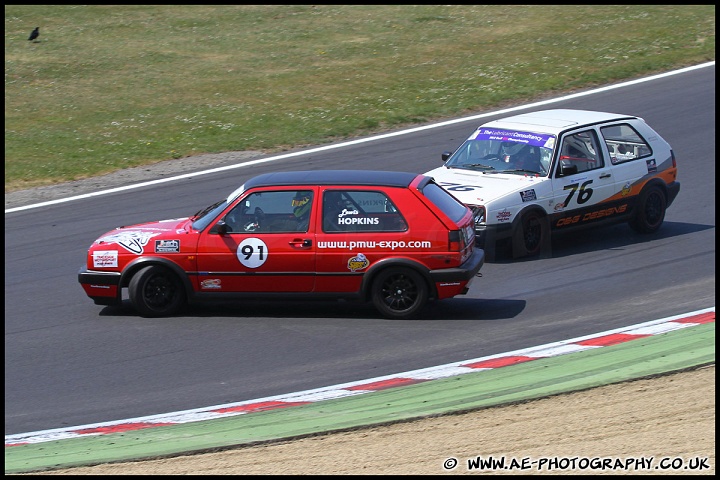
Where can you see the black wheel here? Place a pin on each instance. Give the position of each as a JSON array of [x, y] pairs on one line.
[[529, 235], [650, 211], [399, 293], [156, 292]]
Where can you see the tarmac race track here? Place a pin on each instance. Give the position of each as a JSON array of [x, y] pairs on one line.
[[70, 362]]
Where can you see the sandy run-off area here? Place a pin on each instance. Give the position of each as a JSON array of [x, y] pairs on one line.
[[660, 425]]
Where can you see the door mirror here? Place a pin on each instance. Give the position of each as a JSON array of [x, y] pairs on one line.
[[567, 168], [220, 228]]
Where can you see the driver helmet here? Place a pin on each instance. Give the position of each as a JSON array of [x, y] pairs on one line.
[[301, 204], [507, 149]]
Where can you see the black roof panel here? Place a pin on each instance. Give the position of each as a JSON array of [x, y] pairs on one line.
[[333, 177]]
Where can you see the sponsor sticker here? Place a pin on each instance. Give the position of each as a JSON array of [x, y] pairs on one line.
[[167, 246], [347, 212], [626, 189], [528, 195], [358, 262], [503, 216], [528, 138], [382, 244], [358, 221], [105, 258], [211, 283], [651, 165]]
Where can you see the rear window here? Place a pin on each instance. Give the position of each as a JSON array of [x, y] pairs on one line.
[[450, 206]]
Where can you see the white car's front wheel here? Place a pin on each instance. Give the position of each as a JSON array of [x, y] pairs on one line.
[[530, 234]]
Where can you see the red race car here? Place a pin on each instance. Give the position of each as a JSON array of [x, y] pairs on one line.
[[394, 238]]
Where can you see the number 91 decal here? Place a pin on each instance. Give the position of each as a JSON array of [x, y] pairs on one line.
[[252, 252]]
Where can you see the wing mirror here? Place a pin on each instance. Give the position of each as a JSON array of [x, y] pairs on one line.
[[220, 228], [567, 168]]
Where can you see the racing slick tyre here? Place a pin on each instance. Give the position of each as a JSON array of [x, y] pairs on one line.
[[399, 293], [650, 211], [531, 236], [156, 292]]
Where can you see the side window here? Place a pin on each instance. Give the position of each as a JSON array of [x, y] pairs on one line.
[[271, 212], [624, 143], [360, 211], [581, 150]]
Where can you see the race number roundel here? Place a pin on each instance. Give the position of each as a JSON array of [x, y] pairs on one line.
[[252, 252]]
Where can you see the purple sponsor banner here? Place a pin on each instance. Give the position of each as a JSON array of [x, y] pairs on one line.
[[528, 138]]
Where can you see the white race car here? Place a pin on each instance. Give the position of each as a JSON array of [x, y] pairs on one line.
[[530, 175]]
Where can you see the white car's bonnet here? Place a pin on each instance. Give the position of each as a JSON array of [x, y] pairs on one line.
[[491, 185]]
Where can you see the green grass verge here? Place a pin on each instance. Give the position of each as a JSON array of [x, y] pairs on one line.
[[110, 87], [673, 351]]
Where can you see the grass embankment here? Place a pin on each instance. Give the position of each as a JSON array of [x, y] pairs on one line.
[[110, 87]]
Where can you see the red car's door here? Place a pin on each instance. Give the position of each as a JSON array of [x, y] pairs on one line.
[[267, 248]]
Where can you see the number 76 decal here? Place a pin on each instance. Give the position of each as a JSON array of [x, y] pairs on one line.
[[456, 187], [584, 192]]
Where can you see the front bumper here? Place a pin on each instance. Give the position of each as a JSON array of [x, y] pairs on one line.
[[102, 287], [487, 235]]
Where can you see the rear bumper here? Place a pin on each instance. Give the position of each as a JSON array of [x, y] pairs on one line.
[[456, 281], [672, 191], [464, 272], [102, 287]]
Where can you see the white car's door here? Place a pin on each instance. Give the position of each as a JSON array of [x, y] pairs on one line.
[[582, 180]]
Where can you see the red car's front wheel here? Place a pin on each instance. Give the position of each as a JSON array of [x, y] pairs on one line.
[[156, 292]]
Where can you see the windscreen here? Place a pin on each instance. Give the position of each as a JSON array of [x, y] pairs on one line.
[[503, 150]]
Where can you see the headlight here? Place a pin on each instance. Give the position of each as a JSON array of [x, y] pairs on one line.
[[478, 214]]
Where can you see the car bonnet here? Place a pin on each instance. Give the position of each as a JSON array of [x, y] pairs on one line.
[[133, 238], [486, 187]]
